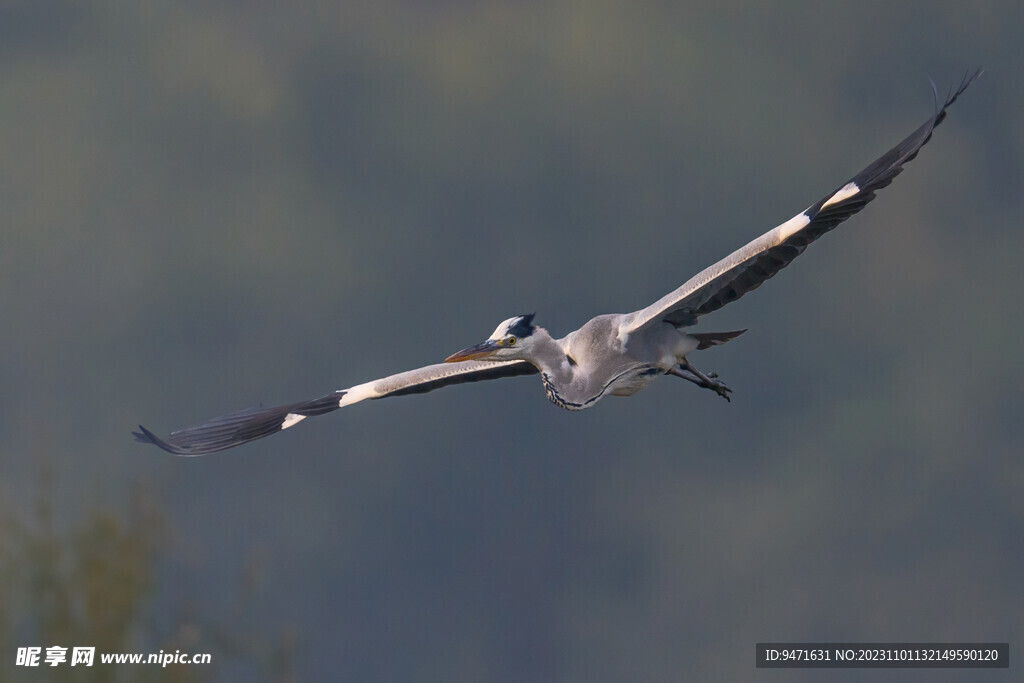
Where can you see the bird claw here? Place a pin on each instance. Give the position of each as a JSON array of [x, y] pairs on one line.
[[719, 388], [710, 381], [705, 381]]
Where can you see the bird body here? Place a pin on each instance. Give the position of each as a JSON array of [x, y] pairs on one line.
[[610, 355], [595, 361]]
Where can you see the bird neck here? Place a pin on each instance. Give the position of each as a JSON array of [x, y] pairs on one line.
[[549, 356]]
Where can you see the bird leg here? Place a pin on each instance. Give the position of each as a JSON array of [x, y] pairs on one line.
[[708, 381]]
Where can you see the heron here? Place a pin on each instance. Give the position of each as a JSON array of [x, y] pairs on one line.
[[610, 355]]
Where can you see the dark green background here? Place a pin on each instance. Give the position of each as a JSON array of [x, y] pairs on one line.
[[210, 205]]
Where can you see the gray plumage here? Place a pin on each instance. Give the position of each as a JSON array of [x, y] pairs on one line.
[[610, 355]]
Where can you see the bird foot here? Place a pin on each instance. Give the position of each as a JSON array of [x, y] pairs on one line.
[[718, 387], [705, 381]]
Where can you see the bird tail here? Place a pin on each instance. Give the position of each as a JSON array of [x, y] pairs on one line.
[[708, 339]]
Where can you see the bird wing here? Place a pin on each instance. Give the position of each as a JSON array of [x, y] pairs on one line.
[[748, 267], [243, 426]]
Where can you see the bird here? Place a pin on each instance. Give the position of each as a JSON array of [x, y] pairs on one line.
[[610, 355]]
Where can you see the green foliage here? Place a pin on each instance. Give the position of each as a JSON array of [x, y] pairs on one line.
[[93, 584]]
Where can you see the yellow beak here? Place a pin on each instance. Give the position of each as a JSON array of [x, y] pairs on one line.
[[481, 350]]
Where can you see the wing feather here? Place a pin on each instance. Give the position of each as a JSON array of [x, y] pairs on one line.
[[750, 266], [235, 429]]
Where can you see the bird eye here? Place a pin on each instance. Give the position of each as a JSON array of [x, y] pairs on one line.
[[511, 341]]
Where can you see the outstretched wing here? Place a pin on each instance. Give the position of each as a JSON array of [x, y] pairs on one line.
[[747, 268], [244, 426]]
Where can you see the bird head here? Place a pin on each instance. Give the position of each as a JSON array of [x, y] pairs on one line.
[[510, 340]]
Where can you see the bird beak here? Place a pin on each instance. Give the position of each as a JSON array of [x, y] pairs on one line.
[[481, 350]]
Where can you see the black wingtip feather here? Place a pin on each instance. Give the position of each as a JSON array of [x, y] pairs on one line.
[[876, 176], [149, 437], [238, 428], [885, 169]]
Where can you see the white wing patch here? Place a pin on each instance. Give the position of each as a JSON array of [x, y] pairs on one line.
[[292, 419], [845, 192], [792, 226], [358, 393]]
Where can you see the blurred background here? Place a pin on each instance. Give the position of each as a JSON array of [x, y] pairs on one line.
[[211, 205]]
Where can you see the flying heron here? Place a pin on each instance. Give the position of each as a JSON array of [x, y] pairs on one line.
[[610, 355]]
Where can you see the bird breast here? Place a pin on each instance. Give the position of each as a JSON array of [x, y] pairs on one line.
[[634, 381]]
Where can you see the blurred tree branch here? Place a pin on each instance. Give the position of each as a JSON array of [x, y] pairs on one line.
[[93, 584]]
